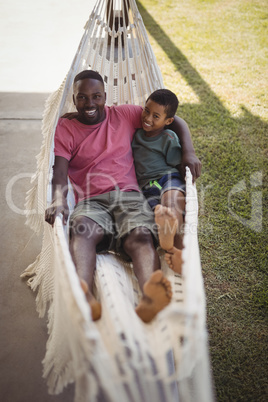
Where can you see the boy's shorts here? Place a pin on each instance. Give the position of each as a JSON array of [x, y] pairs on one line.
[[156, 188], [117, 213]]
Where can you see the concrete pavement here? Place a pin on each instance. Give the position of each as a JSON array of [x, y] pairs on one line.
[[38, 41], [23, 334]]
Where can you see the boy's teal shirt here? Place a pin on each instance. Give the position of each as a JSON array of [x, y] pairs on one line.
[[155, 156]]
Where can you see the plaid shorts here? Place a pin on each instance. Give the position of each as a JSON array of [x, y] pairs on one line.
[[117, 213]]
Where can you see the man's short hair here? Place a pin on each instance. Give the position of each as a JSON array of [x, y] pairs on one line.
[[88, 74], [166, 98]]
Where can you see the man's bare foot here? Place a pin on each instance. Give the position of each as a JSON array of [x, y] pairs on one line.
[[173, 258], [157, 295], [93, 303], [167, 226]]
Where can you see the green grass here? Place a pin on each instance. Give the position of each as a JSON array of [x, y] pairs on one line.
[[213, 55]]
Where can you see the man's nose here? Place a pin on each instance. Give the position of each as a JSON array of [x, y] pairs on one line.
[[89, 102]]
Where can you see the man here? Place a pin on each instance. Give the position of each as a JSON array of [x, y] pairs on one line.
[[94, 150]]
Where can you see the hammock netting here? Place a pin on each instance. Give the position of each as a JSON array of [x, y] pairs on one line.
[[117, 358]]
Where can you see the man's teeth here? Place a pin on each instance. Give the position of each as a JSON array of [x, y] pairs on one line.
[[90, 112], [146, 124]]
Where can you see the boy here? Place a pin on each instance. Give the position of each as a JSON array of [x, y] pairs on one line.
[[157, 155]]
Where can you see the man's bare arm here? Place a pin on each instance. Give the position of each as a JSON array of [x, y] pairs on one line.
[[70, 115], [59, 191], [189, 158]]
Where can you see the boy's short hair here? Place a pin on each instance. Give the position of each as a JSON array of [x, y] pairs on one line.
[[88, 74], [166, 98]]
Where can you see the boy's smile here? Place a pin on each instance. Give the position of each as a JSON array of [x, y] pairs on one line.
[[154, 118], [89, 98]]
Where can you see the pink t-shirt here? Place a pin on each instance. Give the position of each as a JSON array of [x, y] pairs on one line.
[[100, 156]]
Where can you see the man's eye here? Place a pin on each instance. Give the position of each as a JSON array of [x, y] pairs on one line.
[[156, 117]]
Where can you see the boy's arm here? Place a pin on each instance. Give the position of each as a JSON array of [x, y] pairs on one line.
[[59, 191], [189, 158]]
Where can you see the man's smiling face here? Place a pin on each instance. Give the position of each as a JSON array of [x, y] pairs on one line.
[[89, 98]]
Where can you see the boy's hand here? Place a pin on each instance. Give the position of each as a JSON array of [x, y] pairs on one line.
[[54, 210], [193, 164], [70, 116]]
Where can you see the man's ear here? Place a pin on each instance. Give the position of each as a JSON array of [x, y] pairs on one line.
[[73, 99], [105, 97], [169, 120]]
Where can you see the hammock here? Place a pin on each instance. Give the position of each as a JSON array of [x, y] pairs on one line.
[[117, 358]]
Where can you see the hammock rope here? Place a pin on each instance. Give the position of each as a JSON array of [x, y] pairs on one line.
[[118, 358]]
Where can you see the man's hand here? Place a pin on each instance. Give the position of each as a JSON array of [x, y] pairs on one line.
[[54, 210], [59, 191], [193, 164], [70, 116], [189, 157]]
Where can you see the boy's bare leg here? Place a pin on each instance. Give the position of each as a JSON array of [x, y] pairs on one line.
[[174, 201], [173, 258], [167, 231], [156, 288], [167, 223], [84, 237]]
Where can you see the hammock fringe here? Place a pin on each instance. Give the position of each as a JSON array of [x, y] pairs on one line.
[[118, 358]]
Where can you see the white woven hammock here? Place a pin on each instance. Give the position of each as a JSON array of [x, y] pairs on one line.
[[118, 358]]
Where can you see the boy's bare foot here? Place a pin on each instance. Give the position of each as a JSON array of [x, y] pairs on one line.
[[167, 226], [93, 303], [173, 258], [157, 295]]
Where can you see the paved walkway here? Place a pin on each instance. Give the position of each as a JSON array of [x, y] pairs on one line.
[[38, 41], [23, 334]]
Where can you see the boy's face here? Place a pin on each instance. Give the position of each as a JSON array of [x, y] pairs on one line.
[[89, 98], [154, 118]]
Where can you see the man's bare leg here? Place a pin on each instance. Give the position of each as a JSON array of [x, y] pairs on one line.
[[84, 237], [157, 295], [156, 288], [94, 304]]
